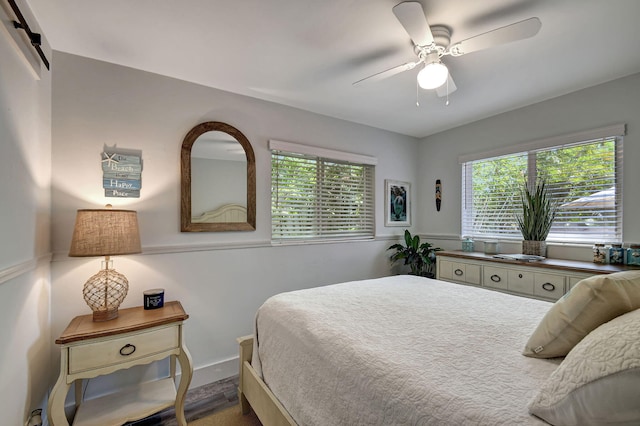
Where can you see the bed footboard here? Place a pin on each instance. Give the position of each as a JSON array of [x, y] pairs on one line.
[[254, 393]]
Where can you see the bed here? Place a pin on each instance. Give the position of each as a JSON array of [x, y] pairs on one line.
[[399, 350]]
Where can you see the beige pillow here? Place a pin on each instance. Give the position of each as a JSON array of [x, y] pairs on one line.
[[598, 383], [591, 302]]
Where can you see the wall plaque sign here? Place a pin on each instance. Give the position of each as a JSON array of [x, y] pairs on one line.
[[121, 174]]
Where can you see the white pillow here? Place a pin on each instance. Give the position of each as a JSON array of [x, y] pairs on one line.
[[592, 302], [598, 383]]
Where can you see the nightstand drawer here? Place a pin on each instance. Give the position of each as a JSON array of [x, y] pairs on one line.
[[98, 354]]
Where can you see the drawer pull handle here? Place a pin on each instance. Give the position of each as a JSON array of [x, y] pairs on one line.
[[458, 272], [496, 278], [519, 275], [548, 286], [127, 349]]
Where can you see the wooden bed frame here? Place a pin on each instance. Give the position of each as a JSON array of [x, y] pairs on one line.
[[254, 394]]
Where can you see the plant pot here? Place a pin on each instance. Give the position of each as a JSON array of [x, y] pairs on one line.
[[536, 248]]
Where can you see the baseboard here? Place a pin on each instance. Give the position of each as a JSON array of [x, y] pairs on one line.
[[214, 372]]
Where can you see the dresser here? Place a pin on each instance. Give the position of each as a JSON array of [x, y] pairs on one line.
[[138, 336], [548, 279]]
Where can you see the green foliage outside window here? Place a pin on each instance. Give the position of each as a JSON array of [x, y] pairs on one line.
[[570, 172], [319, 198]]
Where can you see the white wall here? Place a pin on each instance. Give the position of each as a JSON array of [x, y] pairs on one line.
[[25, 158], [614, 102], [220, 278]]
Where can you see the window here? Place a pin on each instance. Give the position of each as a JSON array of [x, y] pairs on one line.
[[583, 172], [320, 194]]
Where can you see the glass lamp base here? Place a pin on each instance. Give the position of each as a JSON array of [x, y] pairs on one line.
[[104, 292]]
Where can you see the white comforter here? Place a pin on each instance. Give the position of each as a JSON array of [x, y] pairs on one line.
[[401, 350]]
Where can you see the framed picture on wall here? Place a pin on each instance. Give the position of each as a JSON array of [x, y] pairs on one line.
[[397, 201]]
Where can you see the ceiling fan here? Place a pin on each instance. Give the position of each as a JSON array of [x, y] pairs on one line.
[[431, 43]]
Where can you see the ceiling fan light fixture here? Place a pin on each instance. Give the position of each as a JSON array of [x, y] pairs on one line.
[[433, 75]]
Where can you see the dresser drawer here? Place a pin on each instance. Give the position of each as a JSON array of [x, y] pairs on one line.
[[461, 272], [495, 277], [549, 286], [521, 282], [97, 354], [572, 280]]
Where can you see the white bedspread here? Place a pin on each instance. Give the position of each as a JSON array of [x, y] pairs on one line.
[[401, 350]]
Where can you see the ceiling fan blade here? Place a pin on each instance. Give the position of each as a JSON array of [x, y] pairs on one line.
[[447, 88], [388, 73], [411, 16], [518, 31]]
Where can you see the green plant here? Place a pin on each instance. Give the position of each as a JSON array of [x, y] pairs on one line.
[[420, 257], [538, 211]]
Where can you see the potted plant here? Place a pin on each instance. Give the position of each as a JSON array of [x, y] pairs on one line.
[[420, 257], [538, 214]]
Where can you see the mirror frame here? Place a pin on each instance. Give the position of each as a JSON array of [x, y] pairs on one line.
[[185, 166]]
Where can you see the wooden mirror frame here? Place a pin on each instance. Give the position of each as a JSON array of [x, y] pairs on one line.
[[186, 225]]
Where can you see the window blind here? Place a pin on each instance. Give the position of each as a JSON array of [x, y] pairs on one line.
[[584, 178], [319, 198]]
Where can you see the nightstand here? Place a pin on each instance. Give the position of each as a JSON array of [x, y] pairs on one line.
[[90, 349]]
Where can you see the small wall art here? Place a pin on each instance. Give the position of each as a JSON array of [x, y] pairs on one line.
[[397, 203], [121, 173]]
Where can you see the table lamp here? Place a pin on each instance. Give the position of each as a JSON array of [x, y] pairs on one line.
[[105, 232]]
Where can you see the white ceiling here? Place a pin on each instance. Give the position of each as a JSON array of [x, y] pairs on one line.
[[307, 53]]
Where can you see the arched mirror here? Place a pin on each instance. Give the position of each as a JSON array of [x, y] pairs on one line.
[[218, 180]]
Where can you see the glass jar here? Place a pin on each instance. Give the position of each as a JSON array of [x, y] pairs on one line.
[[467, 244], [491, 247], [633, 255], [616, 254], [599, 253]]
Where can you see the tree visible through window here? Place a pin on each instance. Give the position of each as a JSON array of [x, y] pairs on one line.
[[584, 178], [320, 198]]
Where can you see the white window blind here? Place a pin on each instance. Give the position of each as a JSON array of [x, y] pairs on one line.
[[315, 197], [585, 179]]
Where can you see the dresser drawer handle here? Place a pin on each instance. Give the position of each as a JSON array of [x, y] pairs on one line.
[[127, 349], [496, 278], [548, 286], [519, 275], [458, 272]]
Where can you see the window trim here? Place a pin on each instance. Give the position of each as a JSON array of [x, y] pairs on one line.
[[619, 129], [296, 148]]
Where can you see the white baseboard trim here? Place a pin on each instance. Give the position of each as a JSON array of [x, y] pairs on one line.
[[214, 372]]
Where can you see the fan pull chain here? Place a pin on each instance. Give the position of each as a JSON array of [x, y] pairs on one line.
[[417, 94], [447, 102]]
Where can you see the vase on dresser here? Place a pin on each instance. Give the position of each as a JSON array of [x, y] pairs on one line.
[[536, 248]]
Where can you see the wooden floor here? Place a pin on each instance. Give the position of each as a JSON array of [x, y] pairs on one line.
[[200, 402]]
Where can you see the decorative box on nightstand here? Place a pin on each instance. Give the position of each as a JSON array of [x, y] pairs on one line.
[[138, 336]]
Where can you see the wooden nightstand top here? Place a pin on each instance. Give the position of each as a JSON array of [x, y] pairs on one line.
[[131, 319]]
